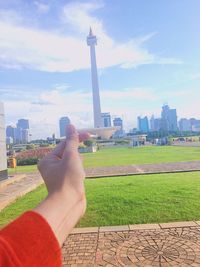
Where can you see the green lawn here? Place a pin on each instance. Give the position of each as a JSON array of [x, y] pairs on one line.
[[129, 200], [127, 156]]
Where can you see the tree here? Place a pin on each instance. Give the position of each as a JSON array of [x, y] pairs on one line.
[[88, 142]]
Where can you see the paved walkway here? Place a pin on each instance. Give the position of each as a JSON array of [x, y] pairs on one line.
[[9, 192], [143, 169], [153, 245]]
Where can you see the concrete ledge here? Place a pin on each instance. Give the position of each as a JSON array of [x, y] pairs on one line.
[[11, 180], [85, 230], [114, 228], [144, 226], [133, 227], [177, 224], [3, 175]]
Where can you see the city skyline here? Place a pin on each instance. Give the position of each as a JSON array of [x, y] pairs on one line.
[[164, 122], [140, 65]]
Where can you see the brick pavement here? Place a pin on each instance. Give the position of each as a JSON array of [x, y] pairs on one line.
[[153, 245]]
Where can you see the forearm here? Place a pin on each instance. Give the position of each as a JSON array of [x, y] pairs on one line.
[[62, 213]]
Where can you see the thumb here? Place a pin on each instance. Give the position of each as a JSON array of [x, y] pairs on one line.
[[72, 138]]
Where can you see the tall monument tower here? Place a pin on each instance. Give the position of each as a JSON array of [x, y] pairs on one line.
[[92, 41]]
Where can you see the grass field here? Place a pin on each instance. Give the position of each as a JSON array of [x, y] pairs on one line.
[[127, 156], [129, 200]]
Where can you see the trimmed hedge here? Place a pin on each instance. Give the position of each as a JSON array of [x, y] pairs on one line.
[[27, 161]]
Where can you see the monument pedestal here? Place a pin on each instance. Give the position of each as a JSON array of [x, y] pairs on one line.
[[3, 156], [3, 175]]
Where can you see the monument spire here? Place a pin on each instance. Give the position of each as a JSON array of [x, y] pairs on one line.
[[91, 42]]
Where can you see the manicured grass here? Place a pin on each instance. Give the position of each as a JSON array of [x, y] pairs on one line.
[[23, 169], [129, 200], [126, 156], [141, 155]]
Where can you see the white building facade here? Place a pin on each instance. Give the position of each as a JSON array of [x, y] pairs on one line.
[[3, 157]]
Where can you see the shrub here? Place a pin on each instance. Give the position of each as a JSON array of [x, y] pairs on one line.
[[27, 161], [88, 142]]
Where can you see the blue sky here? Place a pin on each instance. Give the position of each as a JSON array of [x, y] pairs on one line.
[[148, 54]]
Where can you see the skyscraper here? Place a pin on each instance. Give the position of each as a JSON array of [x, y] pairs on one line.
[[23, 124], [143, 124], [22, 131], [169, 119], [63, 122], [3, 158], [185, 125], [106, 119], [152, 123], [11, 132], [91, 42], [118, 122]]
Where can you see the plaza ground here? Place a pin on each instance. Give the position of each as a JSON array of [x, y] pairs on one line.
[[129, 200], [127, 216], [128, 156]]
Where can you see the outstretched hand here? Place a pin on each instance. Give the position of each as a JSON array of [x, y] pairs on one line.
[[63, 174], [62, 169]]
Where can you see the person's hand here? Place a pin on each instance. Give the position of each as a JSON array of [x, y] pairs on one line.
[[63, 174], [62, 169]]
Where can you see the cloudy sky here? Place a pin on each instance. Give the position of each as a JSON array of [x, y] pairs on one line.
[[148, 54]]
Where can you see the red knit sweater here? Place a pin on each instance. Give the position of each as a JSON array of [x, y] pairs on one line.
[[29, 242]]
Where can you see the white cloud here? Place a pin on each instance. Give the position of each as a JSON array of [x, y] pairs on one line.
[[42, 8], [195, 75], [45, 110], [23, 47], [130, 93]]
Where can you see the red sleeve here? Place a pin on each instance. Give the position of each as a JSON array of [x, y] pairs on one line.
[[29, 242]]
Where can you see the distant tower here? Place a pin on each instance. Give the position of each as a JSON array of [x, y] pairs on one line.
[[63, 122], [92, 41]]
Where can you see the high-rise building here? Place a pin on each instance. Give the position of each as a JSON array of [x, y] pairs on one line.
[[118, 122], [24, 136], [185, 125], [152, 123], [120, 133], [143, 124], [157, 124], [11, 132], [169, 119], [91, 42], [23, 124], [22, 131], [106, 119], [63, 122], [3, 158]]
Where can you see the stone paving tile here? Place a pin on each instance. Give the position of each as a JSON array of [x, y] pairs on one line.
[[80, 250], [114, 228], [177, 224], [144, 226], [85, 230], [11, 179], [176, 247]]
